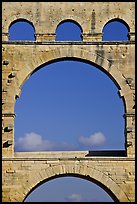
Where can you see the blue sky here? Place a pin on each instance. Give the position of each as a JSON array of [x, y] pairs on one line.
[[62, 189], [75, 103], [69, 105]]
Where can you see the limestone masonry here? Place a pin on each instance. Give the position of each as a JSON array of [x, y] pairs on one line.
[[24, 171]]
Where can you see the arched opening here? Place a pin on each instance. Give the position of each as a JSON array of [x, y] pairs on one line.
[[68, 30], [70, 189], [115, 30], [21, 29], [75, 106]]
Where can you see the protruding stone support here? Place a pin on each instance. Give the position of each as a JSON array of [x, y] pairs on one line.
[[131, 36], [8, 134], [5, 36]]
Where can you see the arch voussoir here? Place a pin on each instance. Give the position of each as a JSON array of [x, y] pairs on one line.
[[76, 170]]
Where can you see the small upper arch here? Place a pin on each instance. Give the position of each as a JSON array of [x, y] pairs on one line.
[[68, 30], [116, 29], [19, 26]]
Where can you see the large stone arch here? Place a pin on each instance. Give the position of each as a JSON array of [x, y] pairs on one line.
[[78, 54], [58, 54], [84, 171]]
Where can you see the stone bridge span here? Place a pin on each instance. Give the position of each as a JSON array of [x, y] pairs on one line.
[[26, 171]]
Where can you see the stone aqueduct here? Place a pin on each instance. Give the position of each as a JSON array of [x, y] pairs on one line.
[[24, 171]]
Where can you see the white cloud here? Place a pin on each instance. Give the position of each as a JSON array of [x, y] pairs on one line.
[[95, 139], [34, 142], [74, 198]]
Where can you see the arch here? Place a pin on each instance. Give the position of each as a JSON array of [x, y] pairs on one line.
[[69, 188], [76, 170], [81, 55], [69, 24], [118, 23], [29, 26], [62, 53]]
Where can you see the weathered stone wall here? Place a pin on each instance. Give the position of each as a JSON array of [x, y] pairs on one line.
[[27, 170], [23, 171], [91, 16]]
